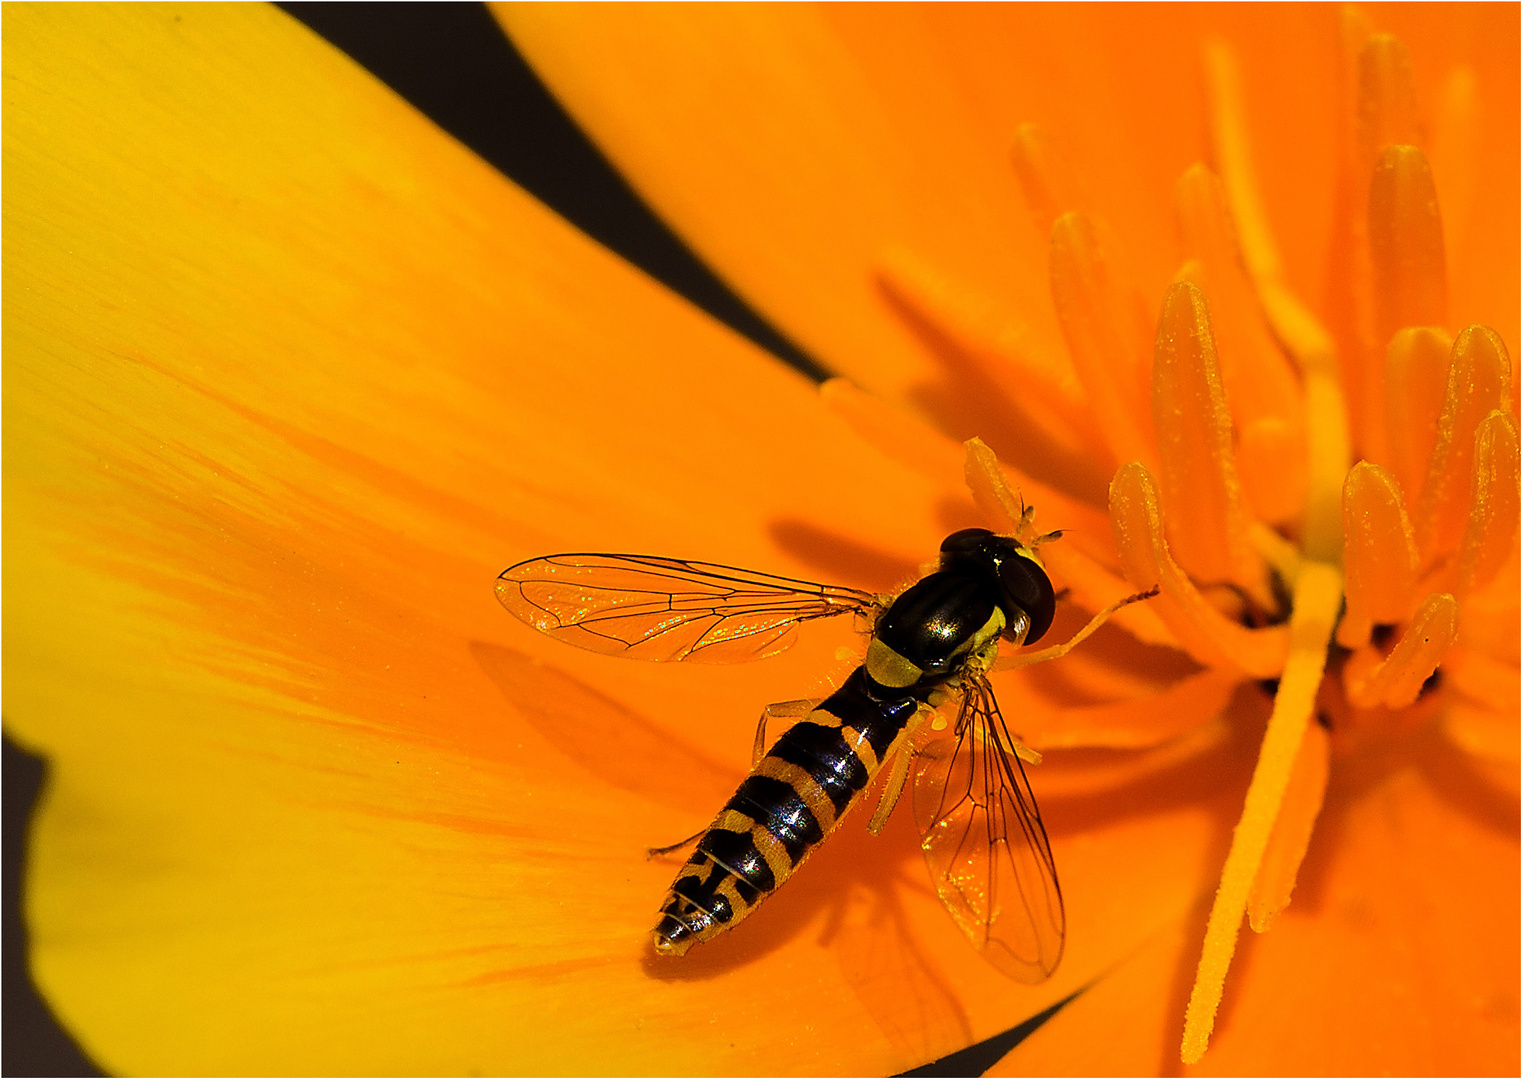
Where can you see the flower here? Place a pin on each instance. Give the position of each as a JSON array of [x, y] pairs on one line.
[[291, 377]]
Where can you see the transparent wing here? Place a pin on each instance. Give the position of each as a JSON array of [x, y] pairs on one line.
[[653, 608], [985, 844]]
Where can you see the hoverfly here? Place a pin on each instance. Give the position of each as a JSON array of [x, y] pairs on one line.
[[932, 644]]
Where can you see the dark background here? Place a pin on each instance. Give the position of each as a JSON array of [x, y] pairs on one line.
[[453, 63]]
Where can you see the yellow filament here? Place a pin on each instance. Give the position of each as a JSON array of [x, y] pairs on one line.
[[1318, 595], [1318, 587], [1293, 325], [1292, 830]]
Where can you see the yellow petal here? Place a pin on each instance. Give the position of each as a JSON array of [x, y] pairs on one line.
[[289, 378]]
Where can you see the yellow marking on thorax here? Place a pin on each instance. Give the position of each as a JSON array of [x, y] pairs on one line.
[[887, 668]]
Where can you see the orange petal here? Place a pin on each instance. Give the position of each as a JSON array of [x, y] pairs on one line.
[[1489, 734], [1416, 373], [896, 434], [1188, 704], [1379, 554], [1396, 681], [1484, 679], [1197, 471], [1492, 531], [1480, 380], [1292, 830], [1205, 633]]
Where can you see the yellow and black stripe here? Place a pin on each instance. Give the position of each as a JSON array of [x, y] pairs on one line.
[[781, 812]]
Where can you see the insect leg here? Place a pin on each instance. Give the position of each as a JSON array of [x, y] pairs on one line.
[[1011, 663], [778, 710], [904, 751], [652, 852]]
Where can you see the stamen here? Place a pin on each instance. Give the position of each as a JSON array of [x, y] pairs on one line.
[[1387, 105], [1043, 406], [1293, 325], [1480, 380], [1494, 504], [1416, 372], [1206, 634], [1379, 554], [985, 477], [1318, 595], [1234, 163], [1292, 830], [1396, 681], [1456, 150], [1096, 325], [1262, 391], [1386, 115], [1045, 176], [1197, 471], [1091, 584], [1406, 247]]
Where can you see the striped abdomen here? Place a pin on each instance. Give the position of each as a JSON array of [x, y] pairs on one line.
[[790, 802]]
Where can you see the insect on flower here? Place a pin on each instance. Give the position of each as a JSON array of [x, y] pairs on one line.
[[932, 645]]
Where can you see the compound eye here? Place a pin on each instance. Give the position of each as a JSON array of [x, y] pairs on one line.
[[965, 541], [1027, 586]]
